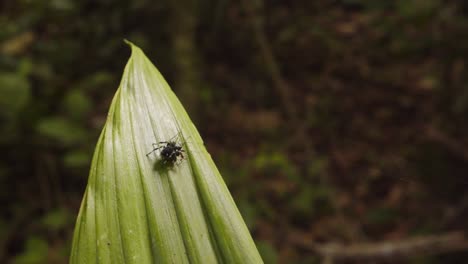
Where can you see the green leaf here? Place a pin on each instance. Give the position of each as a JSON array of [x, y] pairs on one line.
[[56, 220], [134, 213], [62, 130], [77, 104], [35, 252], [76, 159], [14, 93]]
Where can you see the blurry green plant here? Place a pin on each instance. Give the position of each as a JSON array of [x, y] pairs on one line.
[[35, 251], [134, 213], [15, 93]]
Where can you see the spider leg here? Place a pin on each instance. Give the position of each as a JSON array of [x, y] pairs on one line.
[[153, 149], [179, 161], [171, 139], [147, 154], [179, 157]]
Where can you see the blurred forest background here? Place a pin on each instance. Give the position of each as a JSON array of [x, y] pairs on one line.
[[337, 124]]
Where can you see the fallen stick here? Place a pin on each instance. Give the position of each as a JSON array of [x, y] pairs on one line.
[[410, 247]]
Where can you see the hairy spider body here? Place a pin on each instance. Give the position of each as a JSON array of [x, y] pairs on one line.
[[171, 152]]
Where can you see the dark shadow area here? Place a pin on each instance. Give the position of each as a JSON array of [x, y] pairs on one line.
[[163, 167]]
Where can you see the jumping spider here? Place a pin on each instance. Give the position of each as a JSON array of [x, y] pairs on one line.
[[170, 152]]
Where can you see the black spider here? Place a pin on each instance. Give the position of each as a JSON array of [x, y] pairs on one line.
[[170, 151]]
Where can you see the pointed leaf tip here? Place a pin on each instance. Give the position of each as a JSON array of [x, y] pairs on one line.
[[128, 42], [133, 47]]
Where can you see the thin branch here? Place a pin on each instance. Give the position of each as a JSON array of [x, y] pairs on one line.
[[450, 144], [282, 86], [389, 250], [187, 60]]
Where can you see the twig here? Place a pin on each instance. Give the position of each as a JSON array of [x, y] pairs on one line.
[[411, 247], [282, 86], [187, 60], [450, 144]]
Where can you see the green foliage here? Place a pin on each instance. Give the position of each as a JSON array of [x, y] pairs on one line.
[[414, 9], [35, 252], [15, 93], [56, 220], [275, 162], [311, 200], [381, 216], [77, 158], [62, 130], [77, 104]]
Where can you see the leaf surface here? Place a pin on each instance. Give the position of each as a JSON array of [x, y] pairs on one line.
[[136, 212]]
